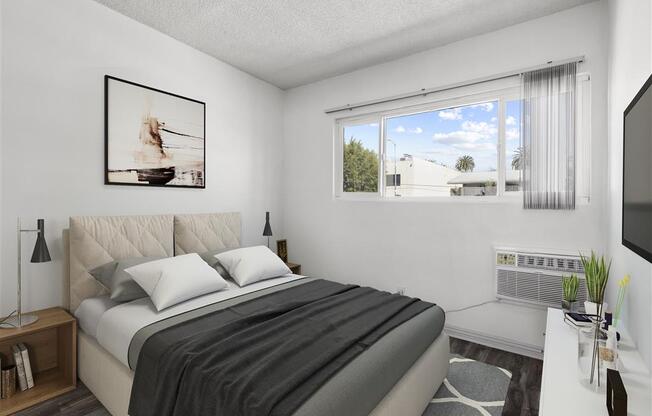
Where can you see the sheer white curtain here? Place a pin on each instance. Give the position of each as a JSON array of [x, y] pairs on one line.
[[548, 137]]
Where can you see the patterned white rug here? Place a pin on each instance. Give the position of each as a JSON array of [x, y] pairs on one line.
[[472, 388]]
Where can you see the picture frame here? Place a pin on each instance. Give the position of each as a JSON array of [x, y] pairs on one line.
[[152, 137], [282, 249]]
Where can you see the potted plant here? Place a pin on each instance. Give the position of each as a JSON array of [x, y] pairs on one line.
[[596, 271], [569, 285]]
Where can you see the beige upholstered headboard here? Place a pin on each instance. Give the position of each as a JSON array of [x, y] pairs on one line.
[[198, 233], [98, 240]]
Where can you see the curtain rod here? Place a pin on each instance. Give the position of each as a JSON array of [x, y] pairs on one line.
[[423, 92]]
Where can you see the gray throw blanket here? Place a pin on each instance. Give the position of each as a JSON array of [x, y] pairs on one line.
[[266, 356]]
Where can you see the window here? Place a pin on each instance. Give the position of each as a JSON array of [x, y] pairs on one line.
[[513, 151], [447, 152], [360, 157], [461, 147], [448, 149]]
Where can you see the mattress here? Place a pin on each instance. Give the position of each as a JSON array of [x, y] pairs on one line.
[[355, 390]]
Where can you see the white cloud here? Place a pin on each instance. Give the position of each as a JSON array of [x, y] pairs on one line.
[[400, 129], [476, 147], [512, 134], [416, 130], [451, 114], [373, 124], [472, 131], [494, 119], [485, 106], [480, 127], [510, 121]]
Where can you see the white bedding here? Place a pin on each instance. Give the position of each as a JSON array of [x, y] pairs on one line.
[[90, 312], [118, 325]]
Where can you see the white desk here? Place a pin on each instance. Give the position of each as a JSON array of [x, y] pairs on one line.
[[561, 391]]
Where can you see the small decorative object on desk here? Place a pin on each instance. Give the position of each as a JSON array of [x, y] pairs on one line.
[[570, 285], [616, 394], [592, 340], [8, 376], [282, 249], [622, 289]]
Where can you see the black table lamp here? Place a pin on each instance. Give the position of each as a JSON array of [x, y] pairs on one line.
[[41, 254], [267, 232]]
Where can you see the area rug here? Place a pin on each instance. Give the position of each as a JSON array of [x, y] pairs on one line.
[[472, 388]]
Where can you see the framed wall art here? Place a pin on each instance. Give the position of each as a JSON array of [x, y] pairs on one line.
[[282, 249], [152, 137]]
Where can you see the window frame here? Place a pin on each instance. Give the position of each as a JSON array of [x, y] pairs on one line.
[[458, 97]]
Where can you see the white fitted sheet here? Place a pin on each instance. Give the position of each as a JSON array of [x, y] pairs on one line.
[[119, 324], [90, 312]]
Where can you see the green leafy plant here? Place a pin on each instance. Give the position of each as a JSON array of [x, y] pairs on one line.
[[360, 167], [597, 271], [465, 163], [570, 285]]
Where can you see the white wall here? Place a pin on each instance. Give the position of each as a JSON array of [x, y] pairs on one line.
[[440, 251], [1, 123], [630, 64], [55, 55]]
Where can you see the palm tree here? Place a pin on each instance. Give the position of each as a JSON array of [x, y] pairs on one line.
[[517, 159], [465, 164]]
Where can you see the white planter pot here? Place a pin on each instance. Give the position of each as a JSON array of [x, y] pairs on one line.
[[591, 308]]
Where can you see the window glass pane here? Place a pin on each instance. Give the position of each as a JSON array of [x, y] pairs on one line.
[[360, 159], [513, 153], [449, 152]]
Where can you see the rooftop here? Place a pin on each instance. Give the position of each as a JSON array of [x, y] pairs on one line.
[[512, 177]]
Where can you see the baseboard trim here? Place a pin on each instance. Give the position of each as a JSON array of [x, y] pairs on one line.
[[494, 341]]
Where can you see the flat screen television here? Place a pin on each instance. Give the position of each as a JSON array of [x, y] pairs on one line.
[[637, 173]]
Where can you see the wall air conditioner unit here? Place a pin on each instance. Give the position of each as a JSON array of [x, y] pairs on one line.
[[534, 276]]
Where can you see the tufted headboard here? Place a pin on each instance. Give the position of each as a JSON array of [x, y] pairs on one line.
[[198, 233], [98, 240]]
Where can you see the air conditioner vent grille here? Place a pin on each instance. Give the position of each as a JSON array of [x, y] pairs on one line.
[[562, 264], [534, 287]]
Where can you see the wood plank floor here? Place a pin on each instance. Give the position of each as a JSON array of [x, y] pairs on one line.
[[522, 397]]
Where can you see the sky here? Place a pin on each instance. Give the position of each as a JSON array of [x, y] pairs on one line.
[[445, 135]]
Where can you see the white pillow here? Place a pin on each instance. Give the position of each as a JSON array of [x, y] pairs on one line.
[[173, 280], [252, 264]]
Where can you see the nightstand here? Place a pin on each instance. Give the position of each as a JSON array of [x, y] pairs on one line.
[[294, 267], [52, 345]]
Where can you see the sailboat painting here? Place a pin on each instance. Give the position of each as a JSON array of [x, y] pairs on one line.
[[152, 137]]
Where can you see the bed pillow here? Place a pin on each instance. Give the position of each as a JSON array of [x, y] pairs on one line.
[[112, 275], [173, 280], [252, 264], [209, 257]]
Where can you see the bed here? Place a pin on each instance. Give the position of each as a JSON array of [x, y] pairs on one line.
[[397, 374]]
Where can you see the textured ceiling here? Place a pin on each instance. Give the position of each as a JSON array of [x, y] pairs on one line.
[[295, 42]]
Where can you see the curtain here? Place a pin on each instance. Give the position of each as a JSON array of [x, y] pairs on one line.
[[548, 137]]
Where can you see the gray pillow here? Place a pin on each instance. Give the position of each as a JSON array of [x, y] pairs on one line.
[[122, 286], [209, 257]]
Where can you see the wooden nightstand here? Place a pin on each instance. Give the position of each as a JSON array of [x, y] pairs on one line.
[[294, 267], [52, 345]]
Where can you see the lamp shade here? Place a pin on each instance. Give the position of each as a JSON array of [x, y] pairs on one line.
[[268, 228], [41, 253]]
